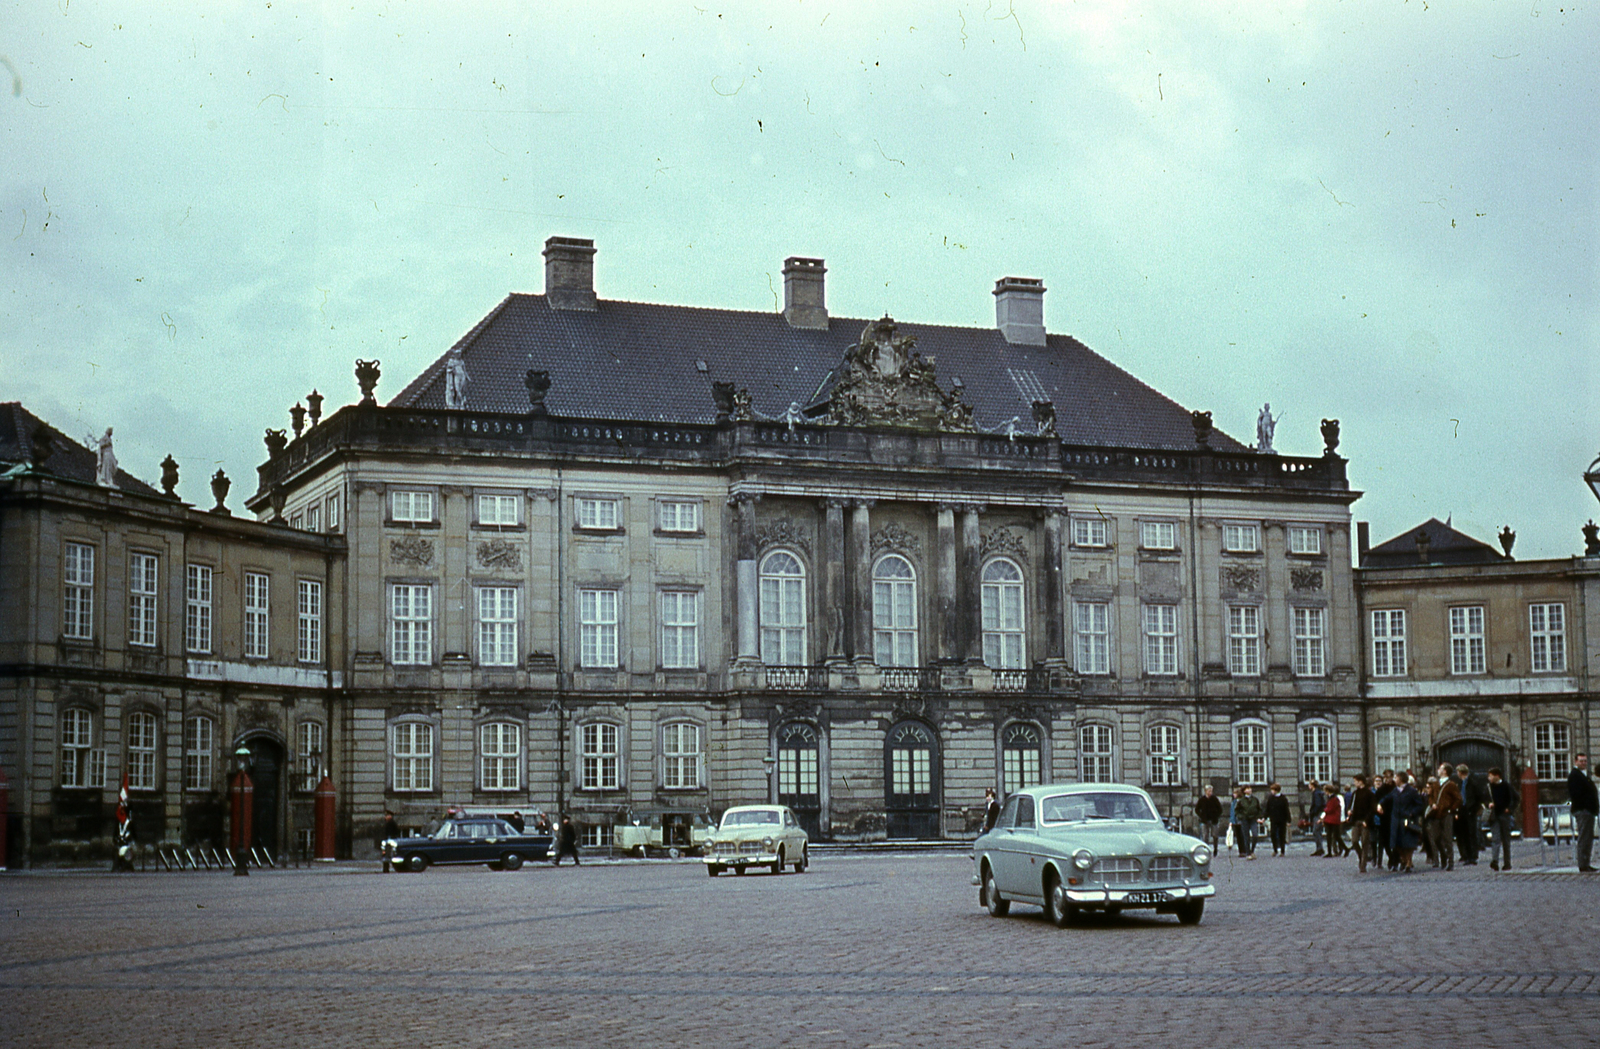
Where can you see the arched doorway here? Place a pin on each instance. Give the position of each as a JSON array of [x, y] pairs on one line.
[[266, 768], [911, 781], [1480, 755], [800, 774]]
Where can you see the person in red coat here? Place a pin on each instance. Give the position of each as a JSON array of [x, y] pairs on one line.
[[1333, 821]]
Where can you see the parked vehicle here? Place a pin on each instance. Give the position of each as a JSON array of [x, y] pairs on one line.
[[757, 836], [650, 831], [492, 842]]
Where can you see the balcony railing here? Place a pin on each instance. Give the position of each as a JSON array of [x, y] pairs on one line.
[[797, 678]]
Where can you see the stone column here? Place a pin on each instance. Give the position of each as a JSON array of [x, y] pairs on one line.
[[858, 566], [832, 598], [947, 603], [967, 608], [744, 575], [1050, 585]]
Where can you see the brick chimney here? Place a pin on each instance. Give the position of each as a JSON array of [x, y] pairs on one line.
[[803, 302], [569, 273], [1019, 309]]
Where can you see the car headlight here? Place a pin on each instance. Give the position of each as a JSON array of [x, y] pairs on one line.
[[1083, 859], [1200, 854], [766, 843]]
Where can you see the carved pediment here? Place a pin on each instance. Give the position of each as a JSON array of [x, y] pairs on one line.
[[1305, 578], [893, 537], [1003, 541], [1471, 721], [885, 382], [783, 533], [1241, 577]]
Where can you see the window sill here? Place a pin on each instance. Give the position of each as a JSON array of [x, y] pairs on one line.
[[582, 530], [432, 525], [477, 527], [673, 533]]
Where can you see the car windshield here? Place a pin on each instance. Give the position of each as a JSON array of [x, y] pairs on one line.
[[750, 818], [1096, 805]]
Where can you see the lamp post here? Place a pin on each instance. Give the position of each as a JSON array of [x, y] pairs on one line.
[[1171, 763], [771, 764], [243, 803]]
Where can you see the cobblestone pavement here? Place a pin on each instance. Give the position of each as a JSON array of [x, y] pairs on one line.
[[861, 951]]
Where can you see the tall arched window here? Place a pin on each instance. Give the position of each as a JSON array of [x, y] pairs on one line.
[[1001, 600], [1250, 751], [894, 612], [1317, 761], [783, 610], [1021, 756], [1166, 755]]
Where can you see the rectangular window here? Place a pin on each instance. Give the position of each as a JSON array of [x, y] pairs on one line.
[[797, 771], [313, 518], [1244, 640], [679, 515], [1309, 651], [82, 764], [1166, 765], [257, 608], [783, 612], [1466, 640], [78, 591], [1161, 639], [1388, 642], [1305, 540], [1316, 752], [1092, 621], [411, 507], [597, 513], [600, 757], [310, 621], [1547, 628], [1551, 744], [198, 736], [308, 754], [597, 628], [680, 757], [411, 750], [680, 629], [1088, 531], [333, 513], [1240, 538], [497, 510], [911, 770], [497, 626], [1021, 768], [1250, 753], [141, 751], [197, 609], [1158, 535], [142, 586], [1096, 762], [411, 625], [1391, 747], [499, 755]]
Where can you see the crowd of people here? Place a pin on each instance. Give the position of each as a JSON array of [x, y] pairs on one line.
[[1383, 820]]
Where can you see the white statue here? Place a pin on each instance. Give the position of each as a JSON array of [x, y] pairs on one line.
[[791, 415], [455, 381], [1265, 425], [105, 464]]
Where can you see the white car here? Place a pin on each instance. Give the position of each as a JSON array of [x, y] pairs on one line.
[[757, 836]]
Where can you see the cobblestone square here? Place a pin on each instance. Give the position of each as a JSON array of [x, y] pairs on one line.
[[862, 950]]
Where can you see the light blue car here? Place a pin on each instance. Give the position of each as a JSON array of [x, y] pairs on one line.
[[1074, 847]]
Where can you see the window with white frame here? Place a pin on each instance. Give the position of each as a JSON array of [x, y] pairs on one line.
[[333, 513], [197, 609], [1158, 535], [313, 518], [497, 511], [1466, 640], [1388, 642], [783, 610], [1241, 538], [1166, 755], [82, 763], [1552, 747], [894, 612], [1250, 752], [1244, 640], [679, 515], [1391, 748], [799, 770], [597, 513], [597, 628], [142, 587], [1161, 639], [308, 755], [411, 624], [497, 626], [1000, 599], [1310, 654], [1316, 752], [680, 629], [411, 756], [1547, 630], [1304, 539], [411, 507], [308, 618], [1096, 754], [141, 750], [1088, 531], [680, 756], [1021, 757], [257, 610], [199, 739], [1091, 621], [297, 522], [600, 760], [500, 755], [78, 591]]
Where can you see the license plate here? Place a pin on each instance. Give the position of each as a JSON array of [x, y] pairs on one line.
[[1153, 896]]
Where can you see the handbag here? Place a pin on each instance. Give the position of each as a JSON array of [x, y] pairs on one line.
[[1229, 841]]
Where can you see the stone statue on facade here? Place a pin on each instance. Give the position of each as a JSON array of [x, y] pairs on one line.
[[1266, 425], [455, 380], [105, 460], [884, 382], [791, 415]]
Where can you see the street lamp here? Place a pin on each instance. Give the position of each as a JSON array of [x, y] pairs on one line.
[[242, 801], [771, 764], [1171, 762]]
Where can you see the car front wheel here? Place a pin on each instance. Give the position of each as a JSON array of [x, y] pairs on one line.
[[989, 896], [1060, 909], [418, 864], [1191, 912], [777, 864]]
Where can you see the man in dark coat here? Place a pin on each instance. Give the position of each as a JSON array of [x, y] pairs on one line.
[[1405, 807], [567, 841], [1319, 804], [1277, 813], [1585, 807], [1208, 810], [1472, 802], [1502, 803], [991, 810], [1363, 805], [1380, 820]]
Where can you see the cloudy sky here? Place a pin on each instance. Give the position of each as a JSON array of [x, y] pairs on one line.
[[1383, 212]]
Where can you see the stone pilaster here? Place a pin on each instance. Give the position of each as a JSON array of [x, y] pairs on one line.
[[858, 566], [746, 592], [947, 601]]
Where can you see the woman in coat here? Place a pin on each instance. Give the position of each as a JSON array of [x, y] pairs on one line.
[[1405, 808]]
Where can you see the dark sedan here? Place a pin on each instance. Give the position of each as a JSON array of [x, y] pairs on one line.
[[492, 842]]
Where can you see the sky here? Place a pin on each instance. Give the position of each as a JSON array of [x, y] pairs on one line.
[[1381, 212]]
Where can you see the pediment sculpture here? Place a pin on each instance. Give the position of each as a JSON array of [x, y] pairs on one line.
[[885, 382]]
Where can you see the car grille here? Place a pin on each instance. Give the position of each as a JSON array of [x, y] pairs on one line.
[[751, 846], [1121, 871], [1169, 868], [726, 848]]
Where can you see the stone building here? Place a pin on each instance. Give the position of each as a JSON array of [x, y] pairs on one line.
[[1474, 656]]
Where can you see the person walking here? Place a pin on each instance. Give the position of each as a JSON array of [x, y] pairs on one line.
[[1333, 821], [1380, 820], [1585, 801], [1467, 818], [1502, 803], [1441, 820], [388, 832], [1278, 815], [991, 810], [567, 842], [1319, 804], [1208, 810], [1363, 805], [1246, 813]]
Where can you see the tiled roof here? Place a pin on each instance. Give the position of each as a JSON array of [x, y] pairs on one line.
[[642, 361], [68, 458], [1446, 546]]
